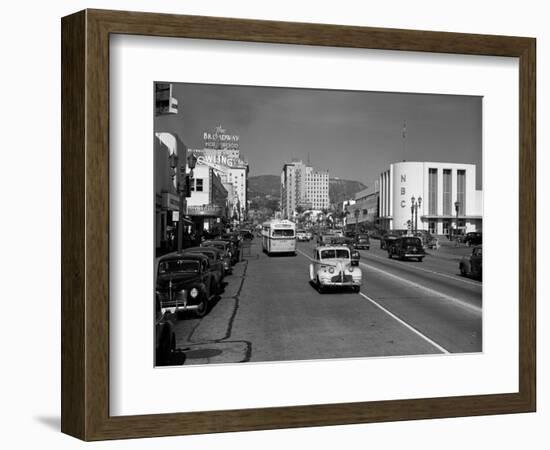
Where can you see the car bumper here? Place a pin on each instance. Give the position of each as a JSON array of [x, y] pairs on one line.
[[178, 308], [340, 283], [414, 255], [362, 247]]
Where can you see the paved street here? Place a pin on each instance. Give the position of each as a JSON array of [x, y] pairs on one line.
[[269, 312]]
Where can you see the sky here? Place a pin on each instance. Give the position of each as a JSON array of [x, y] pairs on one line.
[[353, 134]]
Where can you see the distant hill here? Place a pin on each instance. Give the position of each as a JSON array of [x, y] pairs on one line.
[[262, 185], [339, 189]]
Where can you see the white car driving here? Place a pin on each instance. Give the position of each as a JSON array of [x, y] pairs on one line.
[[332, 267]]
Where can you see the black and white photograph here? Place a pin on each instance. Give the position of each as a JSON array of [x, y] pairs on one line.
[[295, 224]]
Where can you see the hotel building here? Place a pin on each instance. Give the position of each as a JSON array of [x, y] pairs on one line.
[[303, 186]]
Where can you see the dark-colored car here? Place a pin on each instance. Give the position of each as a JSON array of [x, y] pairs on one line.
[[236, 240], [407, 247], [185, 282], [165, 337], [226, 247], [387, 241], [473, 238], [247, 235], [362, 241], [472, 264], [217, 263]]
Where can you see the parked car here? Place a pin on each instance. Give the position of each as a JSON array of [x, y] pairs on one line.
[[165, 337], [471, 265], [407, 247], [226, 247], [473, 238], [362, 241], [247, 235], [236, 240], [332, 267], [387, 241], [185, 282], [218, 263]]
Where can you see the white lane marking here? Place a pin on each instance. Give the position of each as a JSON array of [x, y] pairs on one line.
[[392, 315], [476, 309], [462, 303], [428, 270], [406, 325]]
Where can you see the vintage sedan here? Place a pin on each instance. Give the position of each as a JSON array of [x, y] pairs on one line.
[[217, 262], [184, 283], [361, 241], [165, 337], [407, 247], [471, 265], [332, 267], [227, 250], [473, 238], [301, 236], [355, 255]]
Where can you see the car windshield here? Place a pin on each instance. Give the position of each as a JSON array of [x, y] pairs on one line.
[[334, 253], [411, 241], [219, 246], [178, 266], [282, 233], [362, 237]]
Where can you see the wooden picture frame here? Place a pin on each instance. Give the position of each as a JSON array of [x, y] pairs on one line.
[[85, 224]]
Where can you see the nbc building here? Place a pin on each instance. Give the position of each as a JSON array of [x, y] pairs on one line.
[[445, 195]]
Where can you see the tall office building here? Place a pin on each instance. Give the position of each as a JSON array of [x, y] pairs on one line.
[[303, 186]]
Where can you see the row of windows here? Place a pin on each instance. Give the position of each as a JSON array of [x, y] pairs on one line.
[[448, 207]]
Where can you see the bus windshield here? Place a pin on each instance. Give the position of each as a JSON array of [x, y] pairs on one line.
[[283, 233]]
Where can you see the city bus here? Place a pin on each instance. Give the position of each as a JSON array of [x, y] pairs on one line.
[[279, 236]]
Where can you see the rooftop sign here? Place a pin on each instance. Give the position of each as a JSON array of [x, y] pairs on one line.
[[220, 139]]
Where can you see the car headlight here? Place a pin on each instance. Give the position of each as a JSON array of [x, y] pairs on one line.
[[194, 292], [331, 269], [350, 269]]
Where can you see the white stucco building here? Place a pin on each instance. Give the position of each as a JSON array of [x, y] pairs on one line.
[[439, 186], [304, 186]]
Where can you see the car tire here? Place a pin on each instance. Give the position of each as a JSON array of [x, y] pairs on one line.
[[356, 289], [320, 287], [389, 255], [462, 270], [203, 307], [420, 259]]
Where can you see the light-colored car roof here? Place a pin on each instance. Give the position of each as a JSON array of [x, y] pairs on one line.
[[332, 247]]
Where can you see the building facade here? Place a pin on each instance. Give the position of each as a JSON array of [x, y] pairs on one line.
[[303, 187], [438, 190], [167, 146], [207, 205], [365, 209], [232, 171]]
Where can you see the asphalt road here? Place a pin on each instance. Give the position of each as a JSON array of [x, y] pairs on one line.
[[269, 311]]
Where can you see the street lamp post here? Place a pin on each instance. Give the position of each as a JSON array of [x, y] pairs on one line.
[[356, 214], [415, 204], [457, 207]]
